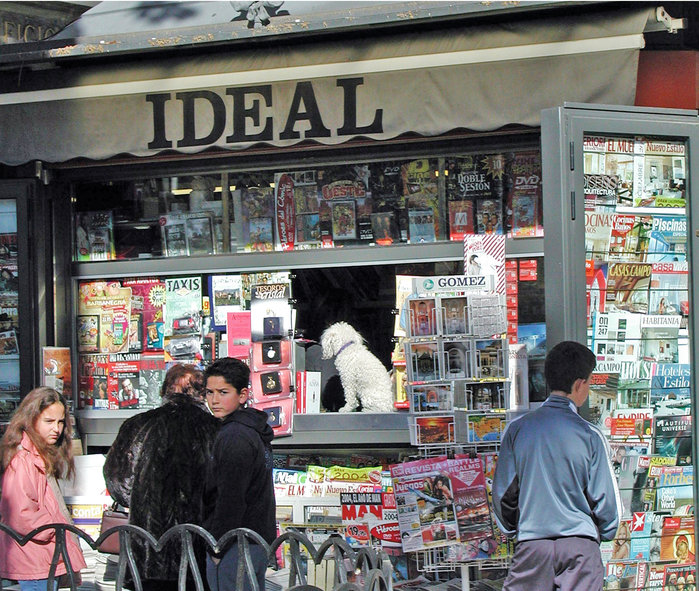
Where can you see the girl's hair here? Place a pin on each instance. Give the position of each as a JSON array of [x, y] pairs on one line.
[[58, 457]]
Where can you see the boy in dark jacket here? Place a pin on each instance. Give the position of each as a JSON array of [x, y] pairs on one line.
[[239, 483]]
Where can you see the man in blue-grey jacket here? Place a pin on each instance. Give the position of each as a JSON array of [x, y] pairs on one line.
[[554, 486]]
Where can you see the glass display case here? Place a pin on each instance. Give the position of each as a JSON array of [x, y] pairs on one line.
[[619, 259], [9, 311], [424, 200]]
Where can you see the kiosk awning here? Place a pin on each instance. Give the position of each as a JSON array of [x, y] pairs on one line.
[[428, 82]]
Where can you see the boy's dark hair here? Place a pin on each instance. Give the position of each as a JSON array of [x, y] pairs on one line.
[[566, 362], [233, 370]]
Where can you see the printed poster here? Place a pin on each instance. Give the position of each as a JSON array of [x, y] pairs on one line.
[[226, 292], [111, 303], [57, 372], [182, 305]]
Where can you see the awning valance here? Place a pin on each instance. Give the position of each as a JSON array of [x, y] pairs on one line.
[[429, 83]]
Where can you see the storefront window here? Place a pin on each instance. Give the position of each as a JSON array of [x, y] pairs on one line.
[[423, 200], [9, 306]]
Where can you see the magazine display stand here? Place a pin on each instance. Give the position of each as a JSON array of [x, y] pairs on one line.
[[456, 353]]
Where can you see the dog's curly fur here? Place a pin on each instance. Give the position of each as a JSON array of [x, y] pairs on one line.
[[363, 376]]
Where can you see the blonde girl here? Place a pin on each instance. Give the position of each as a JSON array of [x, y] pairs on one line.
[[35, 451]]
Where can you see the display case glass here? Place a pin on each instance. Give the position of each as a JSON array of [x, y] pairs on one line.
[[9, 311], [618, 257], [417, 201]]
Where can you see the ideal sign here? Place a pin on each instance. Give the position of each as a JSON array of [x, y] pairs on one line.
[[247, 114]]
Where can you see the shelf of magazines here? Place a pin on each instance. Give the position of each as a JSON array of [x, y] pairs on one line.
[[637, 317]]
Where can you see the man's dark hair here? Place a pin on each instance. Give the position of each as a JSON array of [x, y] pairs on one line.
[[234, 371], [566, 362]]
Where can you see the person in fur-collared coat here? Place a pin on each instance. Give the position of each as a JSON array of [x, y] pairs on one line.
[[157, 467]]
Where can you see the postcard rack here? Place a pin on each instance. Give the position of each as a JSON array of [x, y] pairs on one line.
[[458, 386]]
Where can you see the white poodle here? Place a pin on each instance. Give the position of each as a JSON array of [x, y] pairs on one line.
[[363, 376]]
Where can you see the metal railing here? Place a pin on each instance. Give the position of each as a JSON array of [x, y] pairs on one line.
[[373, 565]]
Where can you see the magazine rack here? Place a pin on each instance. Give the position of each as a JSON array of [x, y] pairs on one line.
[[458, 386]]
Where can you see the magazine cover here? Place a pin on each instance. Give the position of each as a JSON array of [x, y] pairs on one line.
[[677, 542], [632, 426], [57, 372], [200, 233], [308, 228], [123, 381], [424, 498], [649, 496], [344, 220], [421, 225], [617, 337], [485, 255], [152, 370], [421, 189], [656, 576], [305, 191], [680, 577], [489, 216], [461, 219], [668, 289], [94, 236], [182, 305], [92, 381], [645, 534], [673, 437], [8, 343], [524, 198], [174, 235], [148, 300], [630, 237], [627, 287], [112, 303], [625, 575], [135, 330], [669, 388], [285, 210], [260, 235], [598, 234], [384, 227], [668, 239], [600, 189], [271, 313], [257, 204], [659, 336], [674, 490], [226, 293], [470, 498], [238, 329], [659, 176]]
